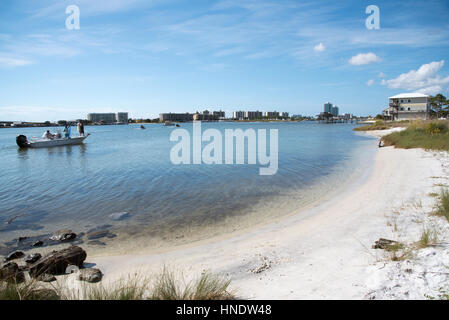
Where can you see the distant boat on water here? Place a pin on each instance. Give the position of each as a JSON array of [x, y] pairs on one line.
[[142, 127], [168, 124]]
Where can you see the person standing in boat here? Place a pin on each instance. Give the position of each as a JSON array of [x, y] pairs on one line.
[[81, 128], [67, 131]]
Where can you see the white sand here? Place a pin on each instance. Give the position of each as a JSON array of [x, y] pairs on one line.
[[325, 252]]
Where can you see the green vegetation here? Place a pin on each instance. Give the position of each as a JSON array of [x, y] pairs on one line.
[[207, 287], [130, 288], [429, 237], [440, 105], [30, 290], [165, 287], [428, 135], [382, 125], [443, 205], [398, 252]]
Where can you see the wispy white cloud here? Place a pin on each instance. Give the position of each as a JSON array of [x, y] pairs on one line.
[[381, 75], [364, 58], [370, 82], [8, 62], [425, 79]]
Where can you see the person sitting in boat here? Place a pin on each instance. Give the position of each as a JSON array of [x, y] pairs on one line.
[[58, 135], [47, 135]]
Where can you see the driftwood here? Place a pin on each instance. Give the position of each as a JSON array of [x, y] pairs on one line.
[[57, 261], [384, 243]]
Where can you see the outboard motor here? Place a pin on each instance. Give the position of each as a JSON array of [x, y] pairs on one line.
[[22, 141]]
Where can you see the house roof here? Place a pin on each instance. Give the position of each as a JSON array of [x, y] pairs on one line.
[[409, 95]]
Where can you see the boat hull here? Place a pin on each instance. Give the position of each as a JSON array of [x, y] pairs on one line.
[[53, 143], [56, 143]]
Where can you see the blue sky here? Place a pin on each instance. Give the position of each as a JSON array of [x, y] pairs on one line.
[[153, 56]]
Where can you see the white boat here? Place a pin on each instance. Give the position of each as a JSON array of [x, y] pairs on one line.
[[23, 142], [168, 124]]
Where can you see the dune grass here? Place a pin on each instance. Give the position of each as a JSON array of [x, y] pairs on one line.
[[429, 237], [206, 287], [30, 290], [382, 125], [165, 286], [427, 135], [442, 208]]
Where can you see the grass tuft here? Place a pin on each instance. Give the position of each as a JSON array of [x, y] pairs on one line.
[[443, 205], [30, 290], [398, 252], [206, 287], [429, 237]]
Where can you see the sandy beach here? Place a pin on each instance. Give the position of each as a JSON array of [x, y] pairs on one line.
[[325, 252]]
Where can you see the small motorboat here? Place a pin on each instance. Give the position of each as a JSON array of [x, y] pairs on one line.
[[22, 142], [168, 124], [142, 127]]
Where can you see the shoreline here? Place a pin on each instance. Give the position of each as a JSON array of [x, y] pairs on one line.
[[324, 253]]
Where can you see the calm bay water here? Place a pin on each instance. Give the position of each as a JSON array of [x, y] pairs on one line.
[[124, 168]]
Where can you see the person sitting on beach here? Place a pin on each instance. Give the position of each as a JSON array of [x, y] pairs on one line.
[[47, 135]]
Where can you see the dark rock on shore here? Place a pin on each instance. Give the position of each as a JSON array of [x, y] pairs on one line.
[[90, 275], [22, 238], [37, 243], [10, 272], [14, 255], [32, 258], [57, 261]]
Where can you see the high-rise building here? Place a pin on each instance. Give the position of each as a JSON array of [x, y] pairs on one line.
[[253, 114], [181, 117], [271, 114], [328, 107], [238, 115], [334, 111], [219, 114], [101, 117], [122, 117]]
